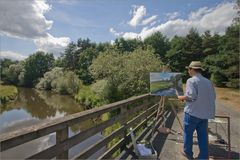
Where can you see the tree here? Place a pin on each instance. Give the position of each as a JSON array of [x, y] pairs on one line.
[[127, 45], [210, 44], [4, 64], [193, 46], [13, 72], [183, 50], [126, 74], [159, 43], [71, 56], [176, 56], [85, 60], [35, 66]]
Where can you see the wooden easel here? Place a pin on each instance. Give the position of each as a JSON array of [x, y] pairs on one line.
[[161, 108]]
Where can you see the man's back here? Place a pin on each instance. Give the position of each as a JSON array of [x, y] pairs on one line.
[[201, 102]]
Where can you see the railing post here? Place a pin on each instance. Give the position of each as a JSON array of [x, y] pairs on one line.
[[62, 135], [147, 110], [124, 123]]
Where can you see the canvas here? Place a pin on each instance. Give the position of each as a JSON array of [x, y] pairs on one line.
[[165, 84]]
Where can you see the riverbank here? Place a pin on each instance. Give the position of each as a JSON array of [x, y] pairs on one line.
[[8, 93]]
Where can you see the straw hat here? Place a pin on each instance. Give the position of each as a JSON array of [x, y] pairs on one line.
[[195, 65]]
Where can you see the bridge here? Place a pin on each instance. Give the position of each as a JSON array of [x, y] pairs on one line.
[[137, 112], [143, 113]]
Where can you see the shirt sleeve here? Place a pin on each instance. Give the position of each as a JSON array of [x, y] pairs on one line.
[[191, 91]]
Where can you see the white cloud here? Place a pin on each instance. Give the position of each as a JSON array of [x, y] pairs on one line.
[[25, 20], [12, 55], [173, 15], [149, 20], [199, 13], [52, 44], [67, 2], [215, 19], [138, 13], [111, 30]]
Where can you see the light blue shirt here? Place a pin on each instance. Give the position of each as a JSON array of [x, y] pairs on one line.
[[201, 97]]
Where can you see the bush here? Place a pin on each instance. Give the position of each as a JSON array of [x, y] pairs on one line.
[[88, 98], [233, 83], [7, 93], [218, 79], [60, 81]]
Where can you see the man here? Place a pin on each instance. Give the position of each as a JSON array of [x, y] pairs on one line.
[[200, 106]]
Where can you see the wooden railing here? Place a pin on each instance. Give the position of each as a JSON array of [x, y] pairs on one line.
[[136, 112]]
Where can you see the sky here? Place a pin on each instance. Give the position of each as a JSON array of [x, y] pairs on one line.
[[27, 26]]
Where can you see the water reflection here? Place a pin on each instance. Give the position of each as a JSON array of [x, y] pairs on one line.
[[32, 107]]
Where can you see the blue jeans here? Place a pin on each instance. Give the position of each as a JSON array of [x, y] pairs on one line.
[[191, 124]]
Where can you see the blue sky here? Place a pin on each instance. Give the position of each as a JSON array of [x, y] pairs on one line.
[[30, 25]]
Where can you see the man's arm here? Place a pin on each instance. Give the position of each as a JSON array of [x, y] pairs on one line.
[[191, 92]]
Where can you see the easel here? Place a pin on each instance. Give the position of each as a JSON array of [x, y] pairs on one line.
[[161, 108]]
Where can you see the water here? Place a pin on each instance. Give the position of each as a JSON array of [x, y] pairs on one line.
[[32, 107]]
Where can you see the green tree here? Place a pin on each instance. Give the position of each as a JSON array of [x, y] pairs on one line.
[[127, 45], [70, 56], [159, 43], [210, 44], [13, 72], [4, 65], [126, 74], [85, 60], [35, 66], [176, 56], [183, 50]]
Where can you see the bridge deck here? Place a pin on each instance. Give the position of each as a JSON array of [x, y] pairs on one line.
[[169, 146]]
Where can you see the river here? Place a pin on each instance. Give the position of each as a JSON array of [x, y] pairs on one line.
[[34, 106]]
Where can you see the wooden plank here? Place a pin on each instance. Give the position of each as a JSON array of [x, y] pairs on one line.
[[12, 139], [146, 132], [113, 149], [95, 147], [74, 140]]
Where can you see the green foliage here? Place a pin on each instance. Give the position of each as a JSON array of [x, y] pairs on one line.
[[159, 43], [126, 74], [4, 65], [127, 45], [60, 81], [71, 55], [88, 98], [85, 60], [35, 66], [224, 65], [7, 93], [12, 73], [184, 50]]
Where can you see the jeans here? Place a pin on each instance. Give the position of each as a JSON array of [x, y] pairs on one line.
[[191, 124]]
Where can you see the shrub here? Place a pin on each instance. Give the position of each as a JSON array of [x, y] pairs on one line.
[[60, 81]]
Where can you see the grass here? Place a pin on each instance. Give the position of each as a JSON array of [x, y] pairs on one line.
[[155, 86], [229, 97], [7, 93]]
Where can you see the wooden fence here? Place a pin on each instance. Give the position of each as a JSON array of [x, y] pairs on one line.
[[136, 112]]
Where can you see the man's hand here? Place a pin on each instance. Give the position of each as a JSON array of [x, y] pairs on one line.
[[182, 98]]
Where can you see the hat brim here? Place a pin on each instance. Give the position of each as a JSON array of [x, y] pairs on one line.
[[187, 67]]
